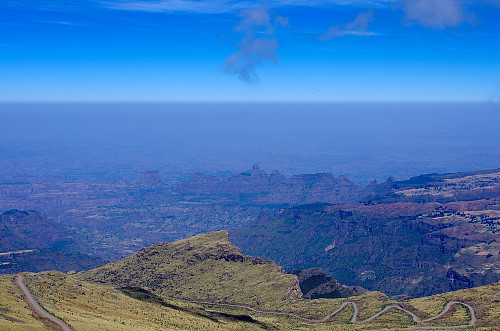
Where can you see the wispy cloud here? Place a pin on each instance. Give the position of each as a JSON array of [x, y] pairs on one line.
[[51, 5], [282, 22], [257, 46], [448, 11], [256, 20], [206, 7], [358, 27], [437, 14], [58, 22], [227, 6]]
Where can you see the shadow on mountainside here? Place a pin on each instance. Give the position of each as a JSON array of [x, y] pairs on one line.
[[146, 296]]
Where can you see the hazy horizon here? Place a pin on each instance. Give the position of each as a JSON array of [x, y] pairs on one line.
[[364, 141]]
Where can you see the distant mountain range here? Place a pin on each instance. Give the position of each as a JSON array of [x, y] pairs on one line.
[[394, 236], [119, 218], [430, 234], [258, 187]]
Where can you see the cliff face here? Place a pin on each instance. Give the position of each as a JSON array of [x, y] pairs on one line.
[[400, 248], [200, 184], [257, 186], [314, 188], [315, 284], [119, 218], [150, 178]]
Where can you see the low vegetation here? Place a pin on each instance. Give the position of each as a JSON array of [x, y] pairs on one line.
[[90, 306], [14, 314], [205, 283], [205, 267]]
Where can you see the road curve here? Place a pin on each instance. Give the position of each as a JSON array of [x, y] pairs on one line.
[[33, 303], [30, 299], [355, 320]]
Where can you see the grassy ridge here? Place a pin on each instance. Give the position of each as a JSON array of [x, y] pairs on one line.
[[138, 295], [90, 306], [86, 306], [204, 267]]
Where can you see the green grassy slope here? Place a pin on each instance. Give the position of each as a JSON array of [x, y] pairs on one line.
[[90, 306], [205, 267]]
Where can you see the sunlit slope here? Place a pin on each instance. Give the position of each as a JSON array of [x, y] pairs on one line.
[[90, 306], [14, 314], [484, 299], [143, 291], [205, 267]]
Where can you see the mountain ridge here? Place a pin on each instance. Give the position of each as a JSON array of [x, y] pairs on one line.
[[203, 267]]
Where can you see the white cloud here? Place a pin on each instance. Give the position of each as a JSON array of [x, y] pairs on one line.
[[435, 13], [255, 19], [358, 27], [257, 46]]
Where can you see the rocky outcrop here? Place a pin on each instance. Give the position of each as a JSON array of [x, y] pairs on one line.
[[252, 181], [314, 188], [315, 284], [150, 177], [259, 187], [200, 184]]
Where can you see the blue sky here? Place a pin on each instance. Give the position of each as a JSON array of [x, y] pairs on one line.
[[223, 50]]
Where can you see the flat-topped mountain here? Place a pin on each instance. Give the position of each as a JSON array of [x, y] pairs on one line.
[[262, 188], [461, 186], [206, 267], [150, 177], [119, 218]]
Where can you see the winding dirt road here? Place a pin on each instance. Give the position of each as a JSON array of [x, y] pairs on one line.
[[30, 299], [33, 303], [355, 320]]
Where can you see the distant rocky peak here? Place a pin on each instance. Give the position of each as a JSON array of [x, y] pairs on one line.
[[275, 188], [15, 211], [344, 178], [255, 171], [150, 177], [24, 213]]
